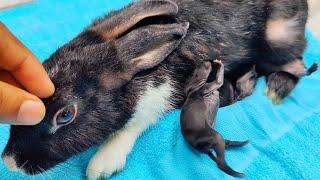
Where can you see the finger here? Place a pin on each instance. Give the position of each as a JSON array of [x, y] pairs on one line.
[[19, 107], [6, 77], [23, 65]]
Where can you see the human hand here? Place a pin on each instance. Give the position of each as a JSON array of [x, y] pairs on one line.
[[22, 80]]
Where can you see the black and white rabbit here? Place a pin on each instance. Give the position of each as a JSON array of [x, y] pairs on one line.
[[121, 73]]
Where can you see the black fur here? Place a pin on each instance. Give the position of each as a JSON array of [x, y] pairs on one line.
[[232, 30]]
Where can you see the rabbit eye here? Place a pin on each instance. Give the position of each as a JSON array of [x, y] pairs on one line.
[[66, 115]]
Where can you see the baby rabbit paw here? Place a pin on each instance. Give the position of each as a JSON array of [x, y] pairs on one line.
[[103, 165]]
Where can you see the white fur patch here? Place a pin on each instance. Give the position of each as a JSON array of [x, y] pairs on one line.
[[10, 162], [282, 30], [111, 156]]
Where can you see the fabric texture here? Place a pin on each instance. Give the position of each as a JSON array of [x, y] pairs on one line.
[[284, 139]]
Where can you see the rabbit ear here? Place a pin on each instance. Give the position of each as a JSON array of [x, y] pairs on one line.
[[146, 47], [142, 49], [119, 22]]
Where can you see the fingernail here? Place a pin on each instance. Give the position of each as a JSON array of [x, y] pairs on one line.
[[30, 113]]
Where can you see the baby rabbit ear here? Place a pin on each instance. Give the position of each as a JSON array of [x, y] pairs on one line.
[[142, 49], [119, 22]]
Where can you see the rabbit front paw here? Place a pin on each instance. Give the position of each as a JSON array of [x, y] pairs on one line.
[[103, 167]]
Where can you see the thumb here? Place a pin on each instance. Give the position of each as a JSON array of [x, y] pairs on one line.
[[19, 107]]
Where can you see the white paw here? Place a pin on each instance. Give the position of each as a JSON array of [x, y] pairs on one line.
[[106, 165]]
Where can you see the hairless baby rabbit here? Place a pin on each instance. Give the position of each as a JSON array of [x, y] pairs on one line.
[[199, 112], [126, 69]]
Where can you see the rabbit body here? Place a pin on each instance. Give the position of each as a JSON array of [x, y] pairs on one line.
[[131, 66]]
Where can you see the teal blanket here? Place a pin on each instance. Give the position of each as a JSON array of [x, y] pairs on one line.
[[285, 138]]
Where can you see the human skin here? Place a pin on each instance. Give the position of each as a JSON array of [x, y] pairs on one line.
[[23, 80]]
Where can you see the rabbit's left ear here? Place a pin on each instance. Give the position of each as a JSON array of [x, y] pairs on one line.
[[142, 49], [117, 23]]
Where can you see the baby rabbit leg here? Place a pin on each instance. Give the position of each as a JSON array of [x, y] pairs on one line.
[[219, 148], [218, 82], [245, 84], [234, 144]]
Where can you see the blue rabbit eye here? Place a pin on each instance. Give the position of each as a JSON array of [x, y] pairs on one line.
[[66, 115]]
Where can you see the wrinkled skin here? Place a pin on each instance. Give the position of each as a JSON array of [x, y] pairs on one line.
[[199, 112]]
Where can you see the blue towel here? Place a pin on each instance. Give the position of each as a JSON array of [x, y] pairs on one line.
[[285, 138]]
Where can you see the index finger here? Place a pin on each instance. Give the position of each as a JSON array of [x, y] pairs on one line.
[[23, 65]]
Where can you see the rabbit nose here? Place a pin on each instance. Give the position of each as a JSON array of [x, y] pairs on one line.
[[10, 162]]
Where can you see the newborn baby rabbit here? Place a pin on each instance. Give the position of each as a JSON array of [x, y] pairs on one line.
[[290, 74], [231, 92], [199, 112]]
